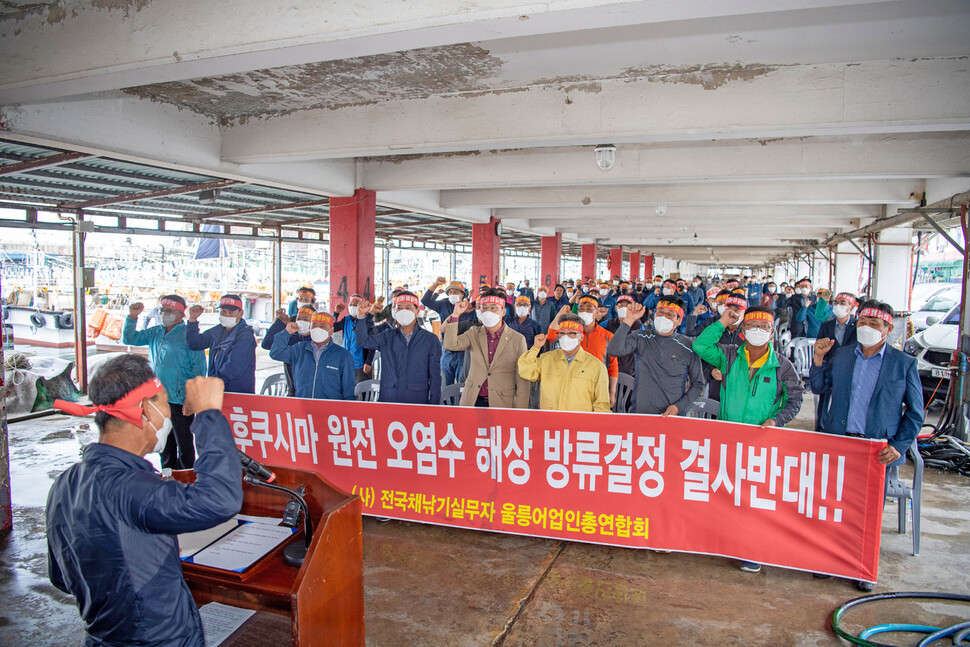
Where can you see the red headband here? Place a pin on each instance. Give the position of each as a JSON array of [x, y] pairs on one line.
[[736, 301], [523, 300], [405, 298], [307, 309], [230, 301], [172, 303], [878, 314], [321, 317], [624, 297], [495, 301], [127, 408], [760, 316], [592, 300], [848, 297], [571, 325], [671, 306]]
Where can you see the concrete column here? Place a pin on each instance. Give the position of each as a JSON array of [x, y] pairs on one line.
[[847, 268], [551, 261], [648, 266], [616, 263], [894, 266], [485, 254], [588, 261], [352, 221], [634, 266]]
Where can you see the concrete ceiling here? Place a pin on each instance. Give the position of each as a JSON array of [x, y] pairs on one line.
[[744, 129]]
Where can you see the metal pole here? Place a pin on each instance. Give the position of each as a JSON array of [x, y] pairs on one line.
[[387, 272], [6, 511], [80, 316], [964, 333], [454, 265], [277, 271]]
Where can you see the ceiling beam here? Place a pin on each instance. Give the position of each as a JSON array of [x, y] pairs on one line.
[[149, 195], [875, 97], [263, 209], [43, 162], [923, 155], [832, 192]]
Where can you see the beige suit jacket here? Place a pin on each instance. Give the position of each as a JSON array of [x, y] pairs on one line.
[[506, 388]]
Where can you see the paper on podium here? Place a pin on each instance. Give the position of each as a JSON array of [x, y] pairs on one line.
[[220, 620], [192, 542], [242, 547]]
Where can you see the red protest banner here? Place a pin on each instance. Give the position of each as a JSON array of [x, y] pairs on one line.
[[789, 498]]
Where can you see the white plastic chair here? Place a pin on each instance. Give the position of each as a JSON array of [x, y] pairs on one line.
[[368, 390], [704, 408], [802, 350], [902, 492]]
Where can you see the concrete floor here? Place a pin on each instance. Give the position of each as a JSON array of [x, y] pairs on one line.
[[428, 585]]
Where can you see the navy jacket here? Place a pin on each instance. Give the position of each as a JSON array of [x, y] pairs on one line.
[[232, 353], [409, 372], [332, 377], [528, 328], [827, 331], [111, 526], [267, 344], [895, 411]]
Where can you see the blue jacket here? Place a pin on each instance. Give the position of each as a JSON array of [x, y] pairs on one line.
[[813, 316], [331, 377], [172, 360], [347, 325], [232, 353], [528, 328], [409, 372], [111, 527], [754, 291], [267, 344], [898, 387]]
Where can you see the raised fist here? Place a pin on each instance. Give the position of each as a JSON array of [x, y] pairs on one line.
[[135, 309], [633, 312], [363, 307], [292, 327], [539, 341], [822, 346], [461, 308], [282, 315], [195, 312], [700, 309], [202, 394], [339, 308], [440, 281]]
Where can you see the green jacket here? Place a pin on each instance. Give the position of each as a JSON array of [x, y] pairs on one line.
[[775, 392]]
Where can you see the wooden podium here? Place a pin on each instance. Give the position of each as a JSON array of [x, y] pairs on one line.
[[320, 603]]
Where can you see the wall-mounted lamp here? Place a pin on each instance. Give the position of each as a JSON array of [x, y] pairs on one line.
[[605, 156]]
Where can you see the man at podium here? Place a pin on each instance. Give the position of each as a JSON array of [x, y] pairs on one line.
[[112, 520]]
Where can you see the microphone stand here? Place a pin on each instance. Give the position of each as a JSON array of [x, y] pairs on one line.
[[294, 553]]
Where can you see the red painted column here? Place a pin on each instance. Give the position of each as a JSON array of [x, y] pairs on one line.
[[648, 266], [616, 263], [485, 254], [352, 246], [588, 262], [551, 259], [634, 266]]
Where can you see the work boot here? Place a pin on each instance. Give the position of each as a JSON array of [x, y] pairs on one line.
[[750, 567]]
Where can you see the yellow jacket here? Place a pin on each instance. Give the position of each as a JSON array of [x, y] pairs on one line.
[[579, 385]]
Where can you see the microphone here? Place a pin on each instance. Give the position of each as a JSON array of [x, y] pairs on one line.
[[295, 553], [252, 467]]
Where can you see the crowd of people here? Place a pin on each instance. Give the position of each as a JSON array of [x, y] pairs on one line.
[[676, 341]]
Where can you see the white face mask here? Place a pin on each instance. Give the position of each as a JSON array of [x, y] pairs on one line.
[[695, 284], [404, 317], [541, 295], [604, 292], [454, 298], [587, 318], [720, 309], [840, 312], [667, 292], [568, 344], [160, 434], [169, 320], [570, 294], [662, 325], [757, 337], [868, 336], [489, 319], [621, 313], [228, 322], [771, 289], [648, 286], [803, 291], [353, 310], [522, 311], [319, 335], [302, 327]]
